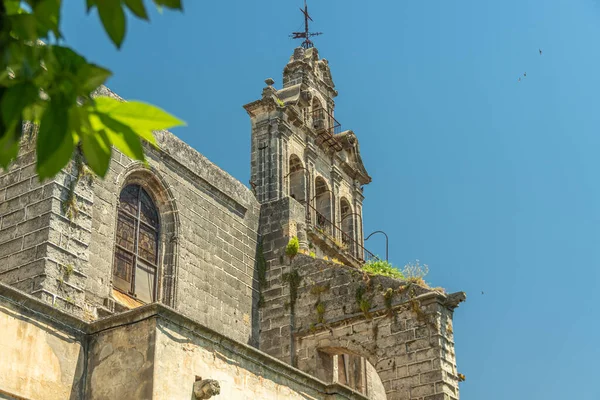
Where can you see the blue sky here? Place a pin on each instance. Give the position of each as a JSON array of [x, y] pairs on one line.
[[490, 181]]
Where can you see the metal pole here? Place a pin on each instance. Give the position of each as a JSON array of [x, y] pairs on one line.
[[386, 242]]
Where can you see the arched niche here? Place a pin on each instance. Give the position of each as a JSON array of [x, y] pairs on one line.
[[297, 179], [322, 204], [347, 224]]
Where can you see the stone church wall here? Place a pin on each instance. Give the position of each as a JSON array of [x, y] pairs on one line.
[[151, 352], [214, 236], [207, 246], [407, 338]]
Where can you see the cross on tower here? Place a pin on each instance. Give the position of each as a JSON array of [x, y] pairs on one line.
[[306, 35]]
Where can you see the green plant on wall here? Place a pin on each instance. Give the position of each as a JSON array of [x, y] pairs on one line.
[[320, 312], [415, 273], [364, 302], [292, 247], [382, 268], [293, 279], [69, 269], [317, 290], [388, 295], [69, 204]]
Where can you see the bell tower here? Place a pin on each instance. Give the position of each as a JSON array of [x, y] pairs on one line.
[[303, 164]]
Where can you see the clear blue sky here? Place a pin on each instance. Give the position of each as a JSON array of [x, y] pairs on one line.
[[491, 182]]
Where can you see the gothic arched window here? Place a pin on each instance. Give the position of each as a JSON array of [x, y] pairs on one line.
[[136, 247]]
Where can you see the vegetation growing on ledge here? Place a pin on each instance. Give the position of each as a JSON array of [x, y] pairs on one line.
[[382, 268], [292, 247], [414, 273]]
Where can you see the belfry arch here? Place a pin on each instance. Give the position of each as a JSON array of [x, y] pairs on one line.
[[322, 204], [297, 179], [347, 217]]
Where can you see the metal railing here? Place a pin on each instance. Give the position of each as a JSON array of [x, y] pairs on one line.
[[324, 121], [335, 233]]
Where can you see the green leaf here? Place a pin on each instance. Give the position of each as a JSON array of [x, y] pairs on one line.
[[121, 136], [34, 112], [139, 116], [47, 13], [97, 149], [137, 8], [14, 100], [63, 59], [90, 76], [9, 149], [55, 142], [24, 26], [113, 19], [172, 4], [12, 6]]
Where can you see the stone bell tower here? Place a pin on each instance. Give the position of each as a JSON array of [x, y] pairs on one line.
[[305, 169]]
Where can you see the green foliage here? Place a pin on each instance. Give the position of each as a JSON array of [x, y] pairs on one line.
[[69, 270], [383, 268], [364, 302], [365, 306], [312, 254], [316, 290], [320, 312], [293, 279], [415, 272], [292, 247], [50, 85], [388, 295]]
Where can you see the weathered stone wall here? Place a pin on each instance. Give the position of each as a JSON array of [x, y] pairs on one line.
[[41, 250], [185, 355], [121, 361], [337, 309], [208, 252], [41, 350], [25, 207], [57, 239], [151, 352]]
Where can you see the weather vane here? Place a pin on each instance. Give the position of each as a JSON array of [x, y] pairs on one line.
[[306, 35]]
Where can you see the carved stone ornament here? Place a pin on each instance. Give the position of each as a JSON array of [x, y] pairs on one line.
[[206, 388]]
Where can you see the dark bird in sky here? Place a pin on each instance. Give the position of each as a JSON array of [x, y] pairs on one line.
[[525, 74], [482, 292], [540, 52]]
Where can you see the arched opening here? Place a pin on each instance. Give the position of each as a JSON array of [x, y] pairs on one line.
[[351, 370], [147, 257], [296, 179], [136, 245], [318, 114], [323, 204], [347, 224]]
